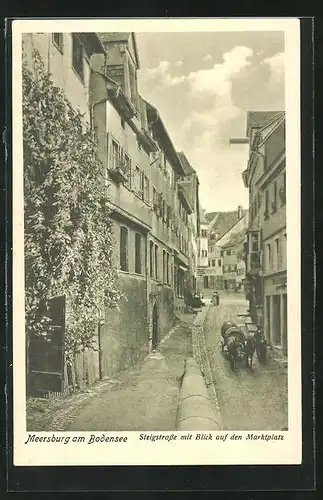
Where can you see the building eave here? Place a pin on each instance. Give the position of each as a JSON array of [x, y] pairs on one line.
[[185, 199], [93, 43], [161, 132]]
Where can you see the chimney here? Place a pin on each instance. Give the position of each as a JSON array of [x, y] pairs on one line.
[[239, 212]]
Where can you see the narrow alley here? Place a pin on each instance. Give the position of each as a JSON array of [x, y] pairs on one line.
[[254, 400]]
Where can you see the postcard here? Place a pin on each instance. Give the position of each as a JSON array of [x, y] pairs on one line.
[[156, 295]]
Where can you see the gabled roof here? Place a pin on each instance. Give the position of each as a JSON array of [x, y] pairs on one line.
[[210, 216], [270, 128], [224, 221], [259, 119], [119, 36]]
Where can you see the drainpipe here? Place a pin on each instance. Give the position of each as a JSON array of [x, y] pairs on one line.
[[93, 104]]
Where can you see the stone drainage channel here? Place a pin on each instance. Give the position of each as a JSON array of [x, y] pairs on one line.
[[198, 407]]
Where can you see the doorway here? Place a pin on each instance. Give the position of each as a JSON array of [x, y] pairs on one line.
[[155, 328], [276, 321]]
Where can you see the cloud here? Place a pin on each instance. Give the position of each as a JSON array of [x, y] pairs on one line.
[[207, 58], [179, 64], [206, 134], [276, 65], [217, 80], [161, 73]]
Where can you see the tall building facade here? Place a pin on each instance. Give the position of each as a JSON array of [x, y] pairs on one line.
[[152, 205], [202, 252], [266, 255], [190, 183]]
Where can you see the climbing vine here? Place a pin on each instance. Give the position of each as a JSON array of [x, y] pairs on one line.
[[68, 230]]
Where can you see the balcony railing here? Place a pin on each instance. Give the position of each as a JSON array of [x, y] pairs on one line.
[[119, 170]]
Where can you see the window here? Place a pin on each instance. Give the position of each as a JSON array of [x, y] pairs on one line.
[[213, 263], [169, 215], [211, 249], [283, 190], [124, 248], [137, 253], [115, 154], [222, 253], [156, 262], [145, 188], [219, 262], [151, 259], [209, 263], [127, 167], [285, 250], [164, 211], [167, 268], [266, 204], [277, 253], [58, 40], [77, 56], [274, 203], [268, 256], [137, 181], [164, 266], [204, 233], [155, 200]]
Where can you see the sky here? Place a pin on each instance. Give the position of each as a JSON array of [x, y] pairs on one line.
[[203, 84]]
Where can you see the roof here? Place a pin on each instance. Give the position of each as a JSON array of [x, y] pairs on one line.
[[93, 42], [224, 221], [210, 216], [259, 119], [160, 130], [119, 36], [186, 164], [269, 129]]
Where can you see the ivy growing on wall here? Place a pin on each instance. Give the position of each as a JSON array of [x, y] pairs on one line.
[[68, 230]]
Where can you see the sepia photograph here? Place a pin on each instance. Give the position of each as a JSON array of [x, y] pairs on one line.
[[153, 232]]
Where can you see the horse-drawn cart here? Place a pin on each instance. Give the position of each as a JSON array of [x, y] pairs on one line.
[[233, 342], [240, 342]]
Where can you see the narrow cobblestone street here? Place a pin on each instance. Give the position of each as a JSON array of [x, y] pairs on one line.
[[254, 400], [146, 395]]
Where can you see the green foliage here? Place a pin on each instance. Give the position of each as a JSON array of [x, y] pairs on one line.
[[68, 230]]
